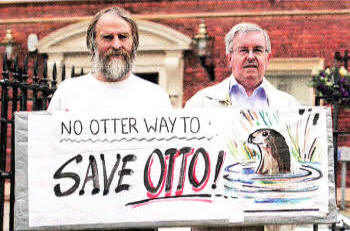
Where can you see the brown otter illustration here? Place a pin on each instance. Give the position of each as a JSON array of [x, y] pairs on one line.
[[275, 157]]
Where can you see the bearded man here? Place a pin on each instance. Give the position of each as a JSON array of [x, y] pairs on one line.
[[112, 38]]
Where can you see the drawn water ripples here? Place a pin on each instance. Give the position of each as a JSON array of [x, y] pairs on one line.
[[301, 185]]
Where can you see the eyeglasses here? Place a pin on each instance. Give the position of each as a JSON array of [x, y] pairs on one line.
[[244, 51]]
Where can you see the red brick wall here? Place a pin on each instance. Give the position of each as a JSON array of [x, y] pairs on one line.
[[291, 36]]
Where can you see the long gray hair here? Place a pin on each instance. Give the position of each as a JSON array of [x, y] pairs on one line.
[[91, 32]]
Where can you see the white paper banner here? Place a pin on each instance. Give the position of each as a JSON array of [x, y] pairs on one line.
[[108, 168]]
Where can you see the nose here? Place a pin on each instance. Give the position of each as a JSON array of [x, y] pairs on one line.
[[116, 44], [251, 54]]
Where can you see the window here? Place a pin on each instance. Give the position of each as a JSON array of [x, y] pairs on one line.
[[152, 77]]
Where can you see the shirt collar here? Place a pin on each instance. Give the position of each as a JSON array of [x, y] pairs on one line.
[[261, 89], [237, 89]]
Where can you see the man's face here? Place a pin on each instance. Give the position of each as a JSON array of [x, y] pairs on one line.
[[249, 59], [114, 53]]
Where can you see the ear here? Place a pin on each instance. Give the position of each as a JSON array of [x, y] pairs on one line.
[[269, 56], [268, 59], [229, 59]]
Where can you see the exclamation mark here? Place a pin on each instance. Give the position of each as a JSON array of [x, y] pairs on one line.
[[218, 167]]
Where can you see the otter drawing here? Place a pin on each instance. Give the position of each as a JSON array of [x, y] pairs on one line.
[[275, 157]]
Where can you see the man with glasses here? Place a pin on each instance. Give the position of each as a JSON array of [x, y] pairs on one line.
[[248, 51]]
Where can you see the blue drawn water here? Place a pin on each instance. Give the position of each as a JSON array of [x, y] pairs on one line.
[[301, 185]]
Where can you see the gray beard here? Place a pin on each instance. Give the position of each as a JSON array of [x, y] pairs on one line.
[[114, 69]]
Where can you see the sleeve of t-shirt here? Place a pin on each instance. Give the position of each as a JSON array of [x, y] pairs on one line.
[[166, 103], [56, 101]]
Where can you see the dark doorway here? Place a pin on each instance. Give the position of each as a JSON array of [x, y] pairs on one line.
[[152, 77]]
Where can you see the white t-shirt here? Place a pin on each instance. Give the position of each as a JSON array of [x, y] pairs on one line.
[[87, 93]]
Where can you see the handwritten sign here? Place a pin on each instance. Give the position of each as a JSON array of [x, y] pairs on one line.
[[124, 168], [179, 167]]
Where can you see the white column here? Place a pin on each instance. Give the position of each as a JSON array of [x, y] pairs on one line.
[[174, 77]]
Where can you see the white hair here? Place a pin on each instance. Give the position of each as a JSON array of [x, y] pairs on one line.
[[245, 28], [114, 69]]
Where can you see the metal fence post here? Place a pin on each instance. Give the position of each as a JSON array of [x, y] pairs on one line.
[[17, 75], [54, 78], [44, 87], [24, 85], [35, 87], [4, 84]]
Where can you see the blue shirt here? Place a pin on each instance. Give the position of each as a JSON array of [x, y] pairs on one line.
[[239, 97]]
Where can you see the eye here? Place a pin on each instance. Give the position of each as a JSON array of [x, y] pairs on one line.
[[258, 50], [107, 37], [243, 50], [265, 134], [123, 36]]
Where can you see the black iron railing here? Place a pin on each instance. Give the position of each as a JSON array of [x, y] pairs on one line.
[[334, 101], [20, 92]]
